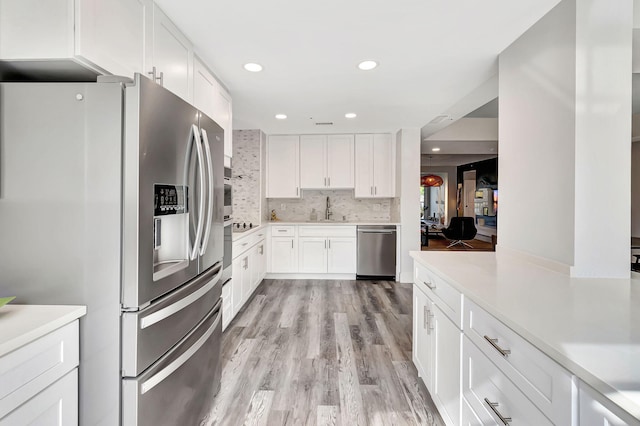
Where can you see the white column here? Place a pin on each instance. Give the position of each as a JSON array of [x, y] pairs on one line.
[[408, 141]]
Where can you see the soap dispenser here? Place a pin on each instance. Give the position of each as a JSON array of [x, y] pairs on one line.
[[314, 215]]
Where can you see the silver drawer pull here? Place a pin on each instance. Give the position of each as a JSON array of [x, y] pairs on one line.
[[426, 317], [432, 286], [494, 407], [494, 343]]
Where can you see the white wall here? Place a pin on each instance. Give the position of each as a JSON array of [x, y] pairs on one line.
[[409, 163], [536, 135], [565, 121], [469, 129], [635, 189]]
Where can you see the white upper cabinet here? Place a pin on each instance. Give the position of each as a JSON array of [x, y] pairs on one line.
[[171, 59], [374, 166], [340, 161], [326, 161], [205, 88], [211, 98], [313, 163], [103, 36], [283, 162]]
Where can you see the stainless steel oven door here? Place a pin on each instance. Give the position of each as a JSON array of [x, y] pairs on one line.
[[151, 332], [179, 388], [227, 200]]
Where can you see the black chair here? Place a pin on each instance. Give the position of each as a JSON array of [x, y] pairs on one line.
[[460, 230]]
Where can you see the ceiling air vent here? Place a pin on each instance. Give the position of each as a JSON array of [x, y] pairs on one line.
[[439, 119], [325, 123]]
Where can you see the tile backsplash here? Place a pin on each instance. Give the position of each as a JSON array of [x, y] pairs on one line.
[[343, 204], [246, 197]]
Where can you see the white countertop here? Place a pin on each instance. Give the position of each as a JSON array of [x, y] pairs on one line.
[[238, 235], [590, 326], [333, 223], [22, 324]]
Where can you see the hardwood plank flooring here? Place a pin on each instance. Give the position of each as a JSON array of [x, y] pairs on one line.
[[316, 352]]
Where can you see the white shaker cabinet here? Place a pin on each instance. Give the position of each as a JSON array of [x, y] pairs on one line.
[[595, 410], [312, 255], [211, 98], [327, 161], [422, 340], [374, 166], [341, 255], [327, 249], [170, 58], [283, 162], [75, 36]]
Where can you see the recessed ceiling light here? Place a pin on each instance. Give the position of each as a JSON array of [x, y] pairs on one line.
[[367, 65], [350, 115], [253, 67], [436, 149], [281, 116]]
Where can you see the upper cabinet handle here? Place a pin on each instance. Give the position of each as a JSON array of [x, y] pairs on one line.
[[494, 343], [430, 285]]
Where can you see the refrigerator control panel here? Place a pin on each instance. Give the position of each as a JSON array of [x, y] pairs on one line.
[[170, 199]]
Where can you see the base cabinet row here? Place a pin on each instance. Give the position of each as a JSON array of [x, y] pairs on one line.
[[248, 269], [313, 249], [483, 373]]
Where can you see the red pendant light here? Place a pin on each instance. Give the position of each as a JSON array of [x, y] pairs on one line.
[[431, 180]]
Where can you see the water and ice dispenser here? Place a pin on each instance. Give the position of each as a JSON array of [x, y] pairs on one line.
[[170, 230]]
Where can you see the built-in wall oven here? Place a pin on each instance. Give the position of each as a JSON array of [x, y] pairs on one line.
[[228, 227]]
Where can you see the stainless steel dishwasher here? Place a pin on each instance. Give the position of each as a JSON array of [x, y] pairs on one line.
[[376, 252]]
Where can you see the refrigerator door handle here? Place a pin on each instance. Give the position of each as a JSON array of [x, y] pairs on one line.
[[207, 232], [175, 361], [194, 139], [163, 313]]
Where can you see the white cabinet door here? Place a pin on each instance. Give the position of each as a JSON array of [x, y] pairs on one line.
[[283, 255], [383, 166], [256, 266], [340, 161], [447, 366], [247, 276], [595, 410], [111, 34], [422, 340], [224, 114], [363, 166], [237, 272], [313, 163], [205, 89], [312, 254], [105, 36], [341, 255], [172, 56], [261, 263], [283, 175], [57, 405]]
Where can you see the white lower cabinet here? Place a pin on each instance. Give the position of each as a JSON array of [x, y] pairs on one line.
[[437, 349], [341, 255], [491, 395], [284, 255], [595, 410], [39, 381], [312, 255], [57, 405], [248, 268]]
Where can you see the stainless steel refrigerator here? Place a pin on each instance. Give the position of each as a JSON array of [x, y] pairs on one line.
[[111, 196]]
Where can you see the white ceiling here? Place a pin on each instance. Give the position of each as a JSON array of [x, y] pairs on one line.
[[432, 53]]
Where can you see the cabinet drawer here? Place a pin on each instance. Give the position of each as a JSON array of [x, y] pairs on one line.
[[246, 242], [57, 405], [491, 395], [31, 368], [442, 293], [541, 379], [283, 230], [327, 231]]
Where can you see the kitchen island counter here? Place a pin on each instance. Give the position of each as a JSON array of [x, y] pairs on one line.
[[590, 326]]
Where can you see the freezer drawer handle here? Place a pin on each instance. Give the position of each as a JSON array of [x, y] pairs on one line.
[[207, 152], [377, 232], [163, 313], [149, 384]]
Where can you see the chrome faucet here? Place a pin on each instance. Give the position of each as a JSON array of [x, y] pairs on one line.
[[328, 213]]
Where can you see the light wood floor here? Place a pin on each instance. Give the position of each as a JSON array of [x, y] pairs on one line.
[[322, 353]]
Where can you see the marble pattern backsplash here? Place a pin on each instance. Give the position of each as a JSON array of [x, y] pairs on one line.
[[343, 204], [246, 180]]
